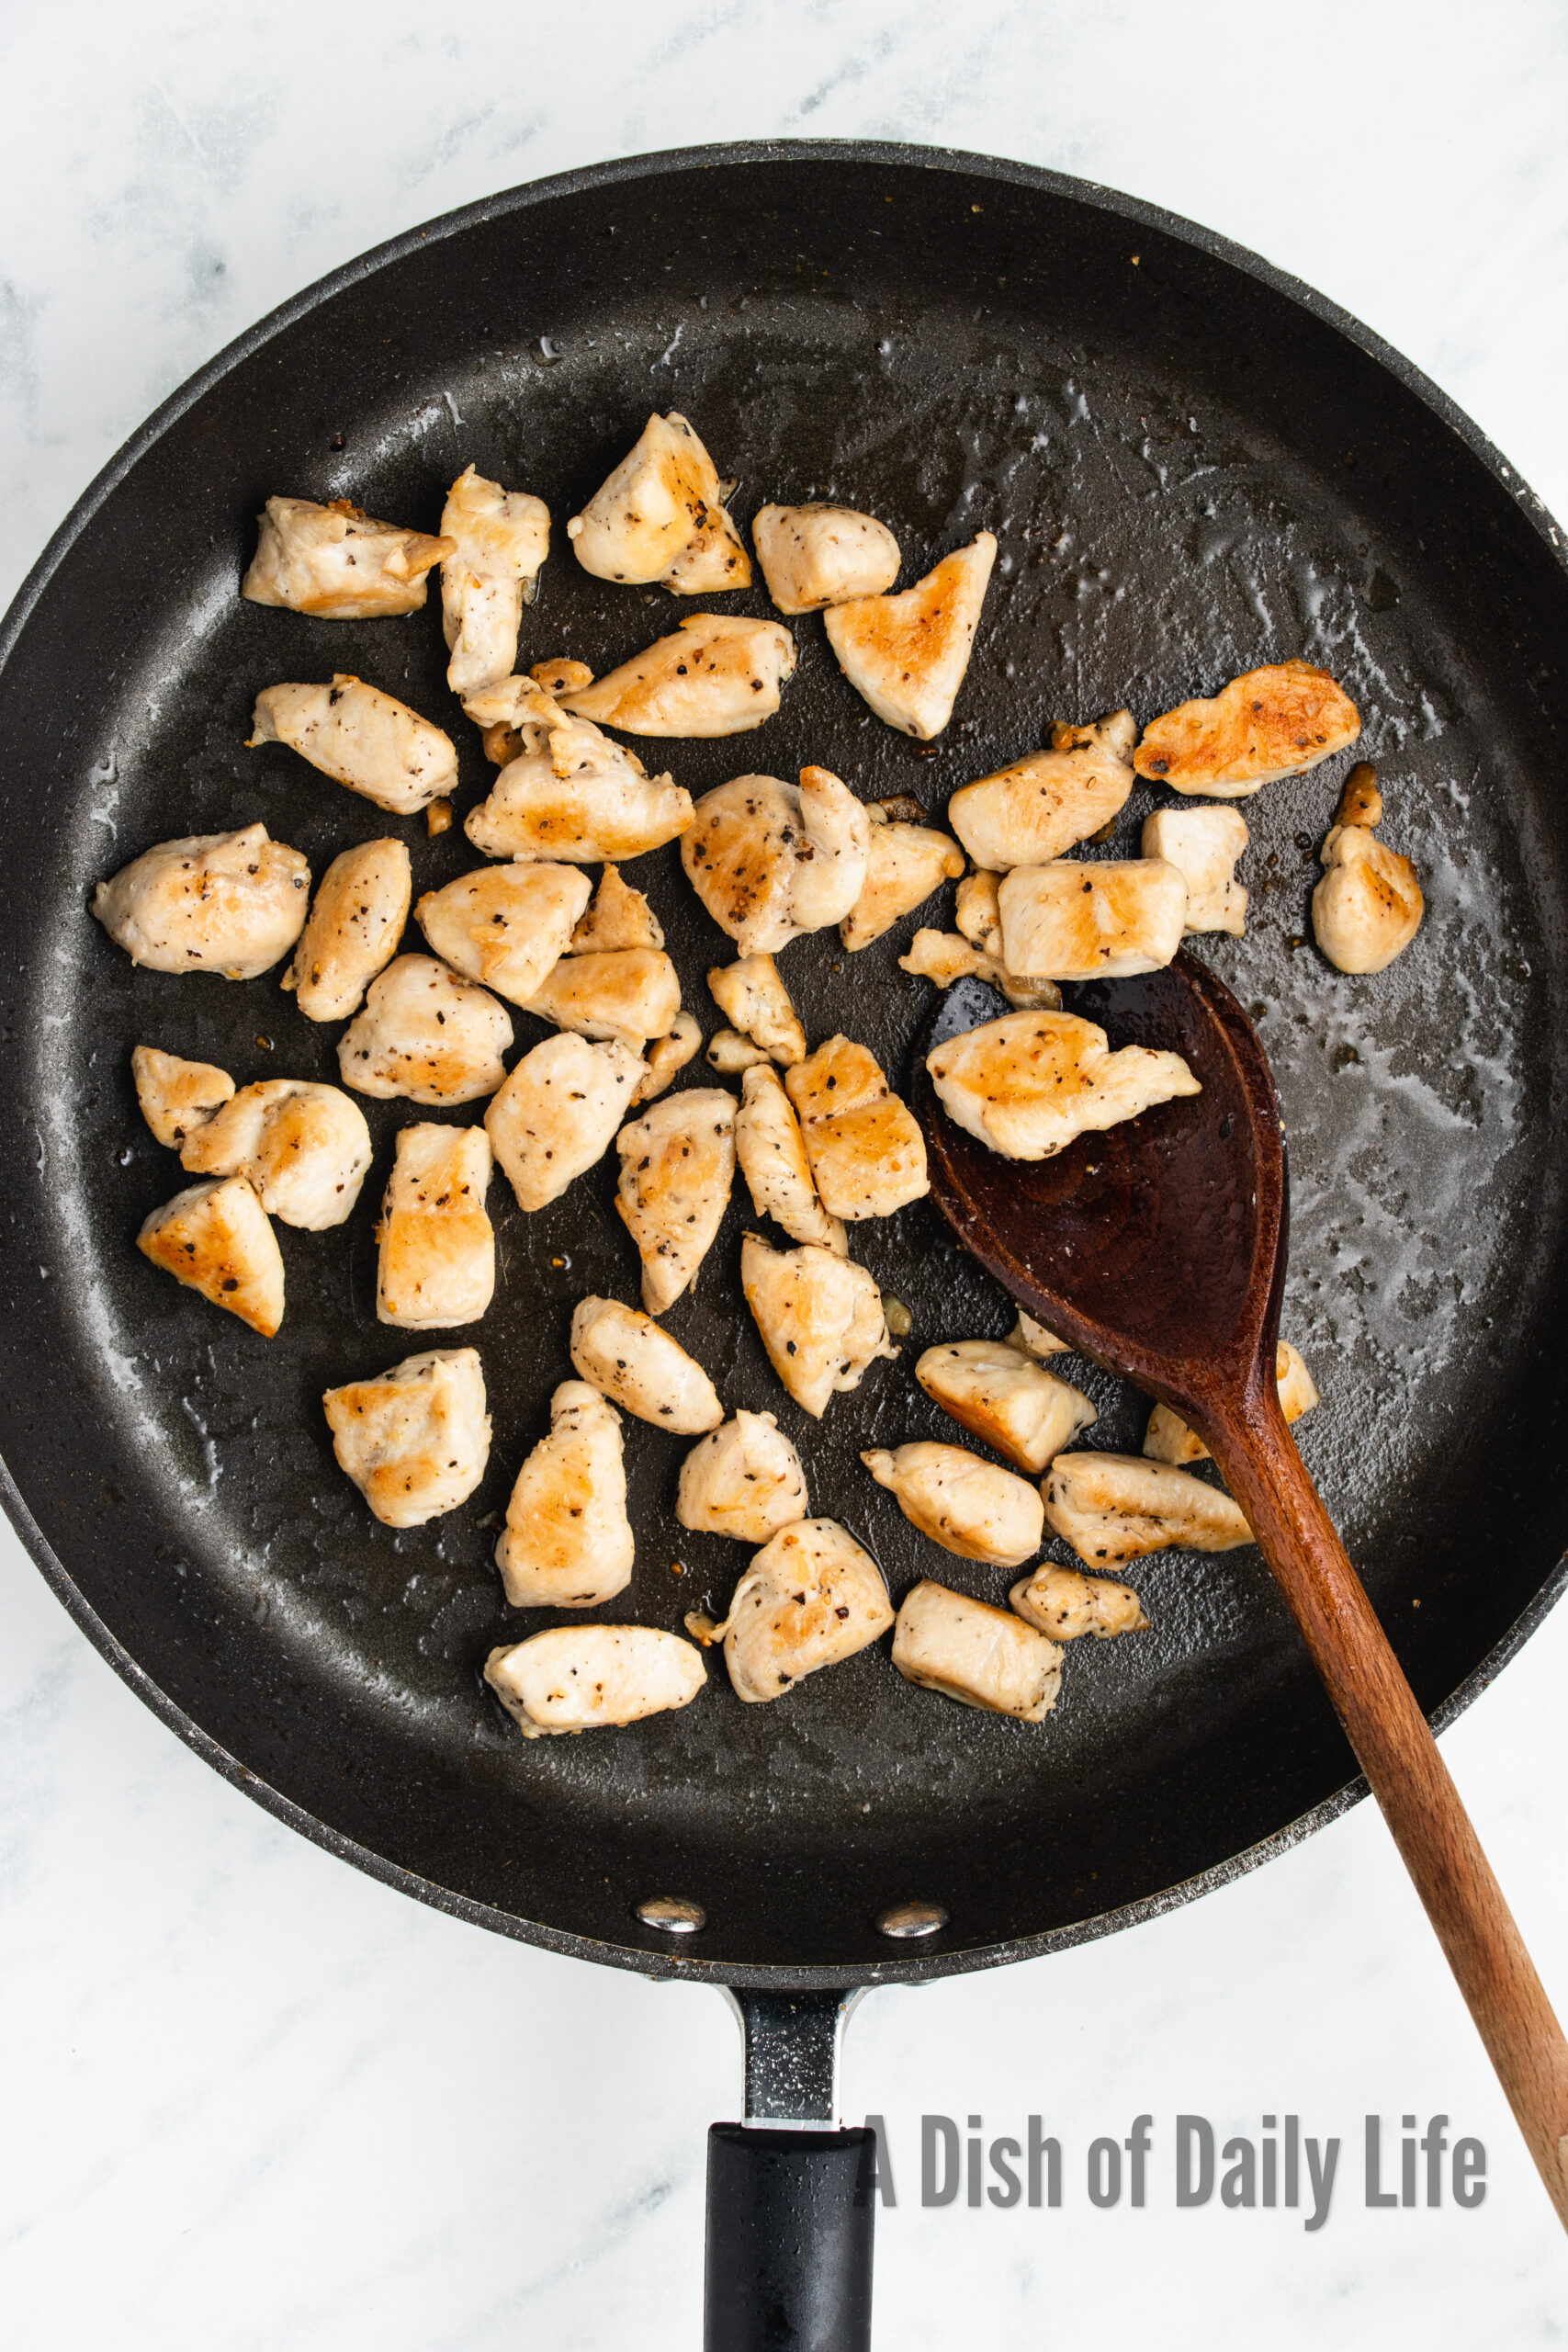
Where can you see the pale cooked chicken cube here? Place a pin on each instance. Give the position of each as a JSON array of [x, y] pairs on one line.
[[593, 1678], [1168, 1438], [425, 1034], [1204, 845], [719, 675], [745, 1481], [567, 1542], [752, 996], [770, 859], [966, 1505], [499, 537], [362, 738], [1027, 1084], [904, 864], [1073, 921], [1115, 1506], [229, 903], [570, 792], [437, 1260], [1002, 1396], [813, 556], [867, 1154], [677, 1167], [559, 1112], [943, 956], [337, 561], [821, 1318], [1030, 812], [176, 1097], [667, 1057], [560, 674], [1367, 906], [907, 655], [619, 916], [304, 1146], [217, 1239], [660, 515], [772, 1153], [1065, 1604], [507, 926], [627, 1358], [982, 1657], [1277, 721], [729, 1053], [810, 1599], [352, 931], [1032, 1338], [630, 994], [415, 1439]]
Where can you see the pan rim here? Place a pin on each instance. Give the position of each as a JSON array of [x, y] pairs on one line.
[[629, 170]]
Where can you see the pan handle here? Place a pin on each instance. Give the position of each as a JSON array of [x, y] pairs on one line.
[[791, 2205]]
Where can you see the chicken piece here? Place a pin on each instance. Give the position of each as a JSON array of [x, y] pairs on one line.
[[813, 556], [352, 931], [773, 1158], [425, 1034], [230, 903], [660, 515], [1032, 1338], [1027, 1084], [1064, 1604], [1005, 1397], [415, 1441], [619, 916], [1204, 845], [904, 864], [360, 736], [943, 956], [1367, 906], [677, 1166], [667, 1057], [593, 1677], [758, 1002], [217, 1239], [966, 1505], [305, 1148], [506, 925], [631, 994], [500, 538], [437, 1262], [982, 1657], [821, 1318], [719, 675], [567, 1542], [338, 562], [907, 655], [769, 860], [570, 792], [729, 1053], [562, 675], [1361, 803], [627, 1358], [744, 1481], [1115, 1506], [811, 1598], [977, 911], [1168, 1438], [557, 1112], [1030, 812], [867, 1154], [1070, 921], [176, 1097], [1277, 721]]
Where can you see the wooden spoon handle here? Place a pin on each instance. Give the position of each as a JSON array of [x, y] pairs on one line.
[[1393, 1743]]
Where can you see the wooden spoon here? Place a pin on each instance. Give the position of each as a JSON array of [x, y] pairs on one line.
[[1158, 1248]]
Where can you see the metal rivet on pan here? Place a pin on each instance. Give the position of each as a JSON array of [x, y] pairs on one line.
[[905, 1920], [673, 1915]]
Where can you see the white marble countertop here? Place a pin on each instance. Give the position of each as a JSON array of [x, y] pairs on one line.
[[255, 2099]]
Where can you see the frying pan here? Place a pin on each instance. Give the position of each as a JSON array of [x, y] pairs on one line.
[[1193, 465]]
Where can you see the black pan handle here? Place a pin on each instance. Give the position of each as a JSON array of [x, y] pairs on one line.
[[791, 2201]]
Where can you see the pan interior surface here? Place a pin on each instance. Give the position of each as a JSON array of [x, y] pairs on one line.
[[1189, 472]]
